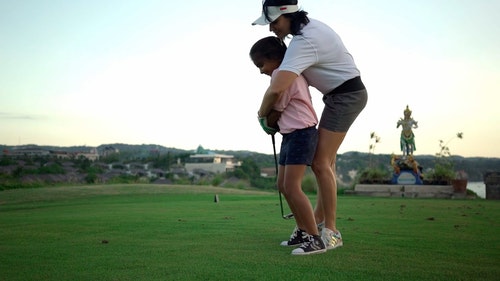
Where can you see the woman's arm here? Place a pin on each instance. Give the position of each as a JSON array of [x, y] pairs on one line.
[[279, 84]]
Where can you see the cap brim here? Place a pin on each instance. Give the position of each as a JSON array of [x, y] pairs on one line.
[[263, 21]]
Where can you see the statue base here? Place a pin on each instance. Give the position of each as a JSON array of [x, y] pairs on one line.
[[406, 170], [406, 177]]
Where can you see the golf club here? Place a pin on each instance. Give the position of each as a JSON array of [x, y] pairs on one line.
[[290, 215]]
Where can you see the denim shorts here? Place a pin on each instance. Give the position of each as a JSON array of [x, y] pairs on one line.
[[298, 147]]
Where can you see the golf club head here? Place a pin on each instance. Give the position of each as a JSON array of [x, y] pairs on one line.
[[287, 217]]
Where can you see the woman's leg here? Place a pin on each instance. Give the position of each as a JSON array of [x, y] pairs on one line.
[[323, 167]]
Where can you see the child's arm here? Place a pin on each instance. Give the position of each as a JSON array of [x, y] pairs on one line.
[[279, 84]]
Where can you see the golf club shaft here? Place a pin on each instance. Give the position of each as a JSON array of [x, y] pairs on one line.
[[276, 169]]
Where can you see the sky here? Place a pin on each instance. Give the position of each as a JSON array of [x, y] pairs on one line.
[[178, 74]]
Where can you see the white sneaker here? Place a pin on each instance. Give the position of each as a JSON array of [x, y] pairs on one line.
[[320, 226], [332, 240]]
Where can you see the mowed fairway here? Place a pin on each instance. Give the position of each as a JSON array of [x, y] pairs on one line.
[[162, 232]]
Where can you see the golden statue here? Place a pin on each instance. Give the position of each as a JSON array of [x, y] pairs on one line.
[[407, 140]]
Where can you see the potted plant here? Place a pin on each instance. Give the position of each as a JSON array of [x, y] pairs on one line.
[[442, 174], [459, 183]]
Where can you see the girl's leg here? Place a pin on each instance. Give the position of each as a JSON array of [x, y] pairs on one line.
[[297, 200], [323, 167]]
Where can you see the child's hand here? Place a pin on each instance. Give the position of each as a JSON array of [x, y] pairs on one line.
[[272, 119], [269, 130]]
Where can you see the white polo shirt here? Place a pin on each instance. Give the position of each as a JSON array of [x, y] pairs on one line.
[[320, 55]]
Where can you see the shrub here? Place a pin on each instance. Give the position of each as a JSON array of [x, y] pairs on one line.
[[217, 180], [309, 184], [374, 175], [53, 169]]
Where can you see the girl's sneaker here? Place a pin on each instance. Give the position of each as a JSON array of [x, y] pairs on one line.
[[313, 244], [332, 240], [296, 238]]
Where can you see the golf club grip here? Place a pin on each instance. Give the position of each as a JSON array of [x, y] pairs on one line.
[[275, 157]]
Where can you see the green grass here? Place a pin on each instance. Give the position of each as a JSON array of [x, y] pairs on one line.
[[179, 233]]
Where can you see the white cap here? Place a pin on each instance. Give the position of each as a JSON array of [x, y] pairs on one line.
[[275, 12]]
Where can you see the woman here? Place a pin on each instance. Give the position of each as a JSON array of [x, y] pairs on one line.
[[318, 53]]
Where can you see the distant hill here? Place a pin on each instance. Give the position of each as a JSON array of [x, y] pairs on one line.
[[347, 162]]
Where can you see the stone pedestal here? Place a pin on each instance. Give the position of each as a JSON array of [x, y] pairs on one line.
[[459, 185], [408, 191], [492, 184]]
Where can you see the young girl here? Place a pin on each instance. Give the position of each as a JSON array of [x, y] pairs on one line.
[[297, 124]]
